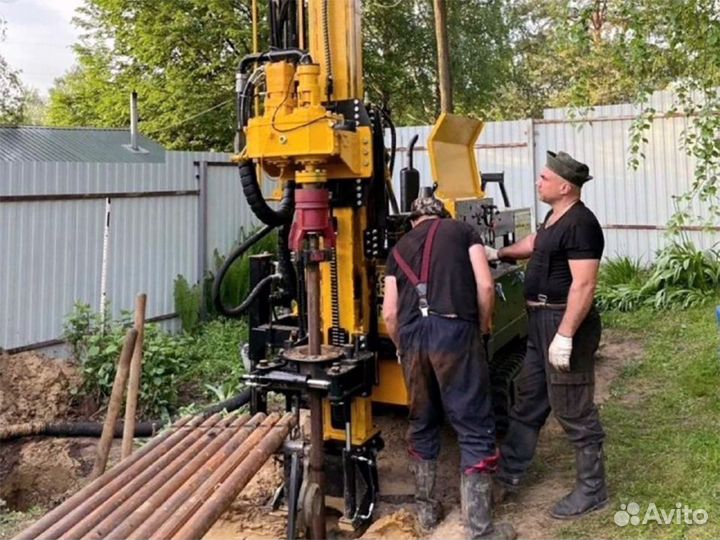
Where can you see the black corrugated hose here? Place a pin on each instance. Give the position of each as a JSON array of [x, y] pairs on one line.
[[142, 429]]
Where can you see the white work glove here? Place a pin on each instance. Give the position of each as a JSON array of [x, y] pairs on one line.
[[559, 352], [491, 254]]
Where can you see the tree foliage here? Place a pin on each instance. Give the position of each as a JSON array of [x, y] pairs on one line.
[[11, 89], [180, 56]]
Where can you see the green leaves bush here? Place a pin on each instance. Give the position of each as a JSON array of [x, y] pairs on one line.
[[177, 369], [236, 285], [682, 276]]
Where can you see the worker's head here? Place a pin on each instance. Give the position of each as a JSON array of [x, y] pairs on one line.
[[427, 207], [562, 178]]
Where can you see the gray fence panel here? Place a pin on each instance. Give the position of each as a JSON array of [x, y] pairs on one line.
[[152, 241], [52, 254]]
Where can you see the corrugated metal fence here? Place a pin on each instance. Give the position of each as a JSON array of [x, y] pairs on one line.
[[52, 218], [633, 206], [168, 218]]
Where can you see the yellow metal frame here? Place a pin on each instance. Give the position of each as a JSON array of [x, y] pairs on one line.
[[452, 159], [361, 423]]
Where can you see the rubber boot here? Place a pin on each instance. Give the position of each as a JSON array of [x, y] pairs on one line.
[[476, 504], [429, 509], [516, 453], [590, 491]]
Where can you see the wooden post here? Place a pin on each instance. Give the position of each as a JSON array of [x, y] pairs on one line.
[[134, 380], [443, 54], [116, 398]]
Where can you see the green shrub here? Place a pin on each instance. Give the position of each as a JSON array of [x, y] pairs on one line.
[[682, 276], [235, 287], [217, 367], [97, 347], [177, 369]]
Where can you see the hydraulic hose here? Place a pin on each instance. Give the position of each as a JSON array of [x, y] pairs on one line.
[[254, 196], [94, 429], [235, 255]]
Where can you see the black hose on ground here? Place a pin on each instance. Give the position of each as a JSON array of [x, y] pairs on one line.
[[94, 429]]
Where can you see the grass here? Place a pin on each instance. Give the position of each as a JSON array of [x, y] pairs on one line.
[[663, 426], [12, 522]]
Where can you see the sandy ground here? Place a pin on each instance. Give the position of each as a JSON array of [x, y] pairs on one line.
[[44, 472], [550, 478]]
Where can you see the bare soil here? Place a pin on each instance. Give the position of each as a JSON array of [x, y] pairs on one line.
[[38, 472], [550, 477]]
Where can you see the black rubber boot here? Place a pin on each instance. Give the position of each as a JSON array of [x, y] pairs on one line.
[[429, 509], [476, 503], [590, 491], [516, 453]]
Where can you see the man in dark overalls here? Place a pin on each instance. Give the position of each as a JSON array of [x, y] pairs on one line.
[[563, 335], [438, 302]]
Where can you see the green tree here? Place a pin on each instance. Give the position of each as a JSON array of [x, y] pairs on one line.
[[11, 89], [180, 56], [401, 59]]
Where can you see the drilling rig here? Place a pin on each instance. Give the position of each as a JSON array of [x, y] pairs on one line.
[[316, 334]]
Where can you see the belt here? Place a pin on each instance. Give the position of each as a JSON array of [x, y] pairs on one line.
[[531, 304], [444, 315]]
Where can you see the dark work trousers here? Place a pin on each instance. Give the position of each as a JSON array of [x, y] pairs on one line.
[[541, 388], [445, 369]]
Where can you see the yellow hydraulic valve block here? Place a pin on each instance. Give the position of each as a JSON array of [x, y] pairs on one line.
[[296, 129]]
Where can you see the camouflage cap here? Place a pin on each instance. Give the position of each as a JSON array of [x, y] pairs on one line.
[[428, 206], [570, 169]]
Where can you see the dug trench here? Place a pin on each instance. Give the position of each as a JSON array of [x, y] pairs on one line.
[[36, 473]]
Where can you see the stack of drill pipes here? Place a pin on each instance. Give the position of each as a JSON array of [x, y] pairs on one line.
[[223, 496], [154, 496], [181, 506], [154, 476], [138, 461], [144, 470]]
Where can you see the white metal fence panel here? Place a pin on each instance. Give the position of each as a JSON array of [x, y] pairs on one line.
[[51, 259], [152, 241]]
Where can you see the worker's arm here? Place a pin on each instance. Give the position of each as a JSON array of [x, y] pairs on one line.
[[584, 279], [485, 285], [519, 250], [390, 309]]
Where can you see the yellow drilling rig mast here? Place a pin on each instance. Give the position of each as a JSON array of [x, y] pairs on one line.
[[316, 335]]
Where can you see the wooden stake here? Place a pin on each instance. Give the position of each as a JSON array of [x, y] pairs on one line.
[[134, 381], [116, 399]]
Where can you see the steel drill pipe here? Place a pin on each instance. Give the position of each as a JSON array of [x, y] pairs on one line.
[[137, 461], [173, 461], [192, 494], [317, 463], [225, 494], [167, 481], [161, 499], [146, 469]]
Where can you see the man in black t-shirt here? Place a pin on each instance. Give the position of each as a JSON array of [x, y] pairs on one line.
[[439, 296], [563, 335]]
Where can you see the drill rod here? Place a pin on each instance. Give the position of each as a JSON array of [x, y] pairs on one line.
[[317, 476]]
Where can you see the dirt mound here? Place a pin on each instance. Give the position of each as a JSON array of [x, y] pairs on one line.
[[34, 388], [400, 525]]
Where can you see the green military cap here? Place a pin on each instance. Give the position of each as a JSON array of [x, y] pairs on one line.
[[570, 169]]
